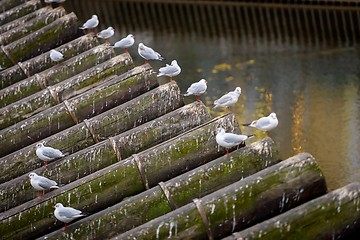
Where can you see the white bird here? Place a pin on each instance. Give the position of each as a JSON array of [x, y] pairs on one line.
[[91, 23], [148, 53], [67, 214], [228, 140], [171, 70], [56, 56], [228, 99], [106, 34], [125, 43], [41, 183], [47, 153], [265, 123], [197, 89]]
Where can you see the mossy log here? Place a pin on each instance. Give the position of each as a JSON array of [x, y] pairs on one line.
[[125, 178], [42, 62], [111, 94], [31, 25], [56, 74], [18, 10], [153, 203], [61, 30], [98, 156], [335, 215], [135, 112], [262, 195], [8, 4]]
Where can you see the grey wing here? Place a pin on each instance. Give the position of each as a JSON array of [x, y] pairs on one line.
[[51, 152], [168, 70], [197, 88], [46, 183], [233, 138], [263, 122], [224, 99], [69, 212]]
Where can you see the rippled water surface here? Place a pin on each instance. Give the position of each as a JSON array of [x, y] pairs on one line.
[[303, 64]]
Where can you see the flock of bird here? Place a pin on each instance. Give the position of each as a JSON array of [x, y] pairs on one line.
[[224, 139]]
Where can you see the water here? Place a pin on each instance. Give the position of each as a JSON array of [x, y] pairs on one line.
[[301, 63]]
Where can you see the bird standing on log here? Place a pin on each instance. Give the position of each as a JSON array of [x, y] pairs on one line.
[[106, 34], [148, 53], [265, 123], [125, 43], [67, 214], [91, 23], [47, 153], [228, 140], [56, 56], [41, 183], [228, 99], [197, 89], [171, 70]]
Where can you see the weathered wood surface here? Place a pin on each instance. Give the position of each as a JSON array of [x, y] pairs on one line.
[[135, 112], [56, 74], [335, 215], [196, 183], [18, 10], [98, 156], [62, 30], [42, 62], [262, 195], [110, 185], [31, 25], [8, 4]]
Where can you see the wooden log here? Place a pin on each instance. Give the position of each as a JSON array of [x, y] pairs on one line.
[[56, 74], [332, 216], [181, 190], [110, 185], [62, 30], [42, 62], [31, 25], [8, 4], [98, 156], [79, 136], [269, 192], [18, 11]]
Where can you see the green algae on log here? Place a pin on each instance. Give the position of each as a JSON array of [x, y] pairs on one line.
[[56, 74], [30, 26], [332, 216], [58, 32], [18, 10], [98, 156], [182, 189], [255, 198], [146, 107], [8, 4], [112, 184], [42, 62]]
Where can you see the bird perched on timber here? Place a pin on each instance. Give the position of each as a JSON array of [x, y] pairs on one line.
[[228, 99], [125, 43], [56, 56], [47, 153], [91, 23], [41, 183], [148, 53], [228, 140], [106, 34], [171, 70], [265, 123], [197, 89], [67, 214]]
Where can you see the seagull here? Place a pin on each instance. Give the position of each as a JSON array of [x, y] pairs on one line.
[[148, 53], [265, 123], [125, 43], [171, 70], [228, 140], [41, 183], [106, 34], [197, 89], [56, 56], [67, 214], [91, 23], [47, 153], [228, 99]]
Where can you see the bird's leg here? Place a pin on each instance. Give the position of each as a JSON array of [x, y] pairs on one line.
[[146, 61], [65, 226], [228, 109], [107, 41], [171, 79], [39, 194], [126, 50], [198, 98], [227, 152], [45, 165]]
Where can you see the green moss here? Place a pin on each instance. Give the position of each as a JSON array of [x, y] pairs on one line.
[[19, 93]]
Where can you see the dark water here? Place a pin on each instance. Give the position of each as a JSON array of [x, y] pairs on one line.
[[302, 63]]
